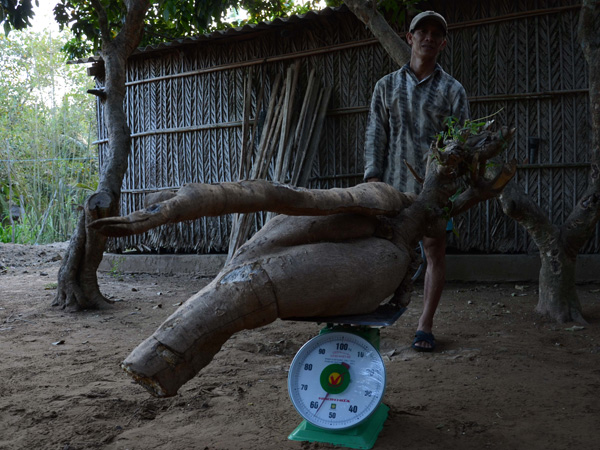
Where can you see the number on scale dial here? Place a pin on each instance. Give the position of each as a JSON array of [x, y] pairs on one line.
[[336, 380]]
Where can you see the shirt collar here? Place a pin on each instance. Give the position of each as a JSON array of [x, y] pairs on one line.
[[409, 72]]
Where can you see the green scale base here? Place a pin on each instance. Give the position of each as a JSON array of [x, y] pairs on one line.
[[362, 436]]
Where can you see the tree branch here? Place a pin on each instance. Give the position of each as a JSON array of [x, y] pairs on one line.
[[131, 34], [196, 200], [581, 223], [103, 22], [517, 204], [471, 158], [484, 189], [393, 44]]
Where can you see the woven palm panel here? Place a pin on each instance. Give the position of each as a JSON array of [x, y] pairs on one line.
[[169, 156], [353, 74], [188, 101]]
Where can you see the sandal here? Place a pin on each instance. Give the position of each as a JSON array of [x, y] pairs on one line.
[[422, 336]]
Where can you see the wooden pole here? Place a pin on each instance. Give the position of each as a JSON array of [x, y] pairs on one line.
[[314, 143]]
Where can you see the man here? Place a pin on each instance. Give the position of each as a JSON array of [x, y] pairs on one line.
[[408, 109]]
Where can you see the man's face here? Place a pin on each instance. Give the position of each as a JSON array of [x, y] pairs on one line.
[[427, 40]]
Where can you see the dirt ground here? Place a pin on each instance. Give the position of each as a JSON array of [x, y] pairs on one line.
[[501, 378]]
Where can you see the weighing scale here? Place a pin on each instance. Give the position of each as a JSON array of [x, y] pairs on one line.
[[337, 380]]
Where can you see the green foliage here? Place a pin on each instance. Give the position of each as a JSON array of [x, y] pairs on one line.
[[115, 267], [24, 232], [86, 187], [47, 124], [6, 234], [448, 209], [15, 14], [265, 10], [168, 19], [454, 130], [395, 11]]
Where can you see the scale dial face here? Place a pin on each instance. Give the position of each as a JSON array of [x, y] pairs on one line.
[[336, 380]]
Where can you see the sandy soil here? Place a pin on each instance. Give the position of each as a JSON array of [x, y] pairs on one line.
[[501, 378]]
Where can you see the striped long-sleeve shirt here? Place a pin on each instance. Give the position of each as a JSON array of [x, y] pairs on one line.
[[405, 116]]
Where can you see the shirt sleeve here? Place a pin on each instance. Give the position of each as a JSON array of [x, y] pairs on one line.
[[461, 105], [376, 135]]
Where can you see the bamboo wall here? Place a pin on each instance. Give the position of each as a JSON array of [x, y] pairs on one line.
[[185, 105]]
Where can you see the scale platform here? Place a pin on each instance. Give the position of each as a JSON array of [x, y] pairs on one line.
[[384, 316]]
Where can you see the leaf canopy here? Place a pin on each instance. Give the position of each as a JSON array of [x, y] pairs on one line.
[[16, 14], [168, 19]]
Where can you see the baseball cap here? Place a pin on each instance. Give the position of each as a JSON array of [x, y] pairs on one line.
[[432, 15]]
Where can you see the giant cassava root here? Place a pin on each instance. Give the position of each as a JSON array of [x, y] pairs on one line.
[[329, 252]]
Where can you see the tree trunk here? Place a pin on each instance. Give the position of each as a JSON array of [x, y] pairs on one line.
[[77, 278], [77, 281], [558, 246], [557, 294], [558, 297]]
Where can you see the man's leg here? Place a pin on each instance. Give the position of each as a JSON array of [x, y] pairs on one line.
[[435, 277]]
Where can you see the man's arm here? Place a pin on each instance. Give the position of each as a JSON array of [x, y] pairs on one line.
[[376, 135], [461, 105]]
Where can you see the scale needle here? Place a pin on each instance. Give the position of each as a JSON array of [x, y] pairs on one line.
[[317, 411]]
